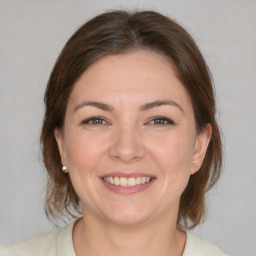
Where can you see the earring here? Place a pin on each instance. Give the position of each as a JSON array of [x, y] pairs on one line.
[[194, 165], [64, 168]]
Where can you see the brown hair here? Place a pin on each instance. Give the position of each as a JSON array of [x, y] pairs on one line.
[[118, 32]]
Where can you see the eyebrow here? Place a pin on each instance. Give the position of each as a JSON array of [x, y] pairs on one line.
[[159, 103], [144, 107], [95, 104]]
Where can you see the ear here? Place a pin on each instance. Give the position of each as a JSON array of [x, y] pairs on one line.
[[60, 141], [200, 149]]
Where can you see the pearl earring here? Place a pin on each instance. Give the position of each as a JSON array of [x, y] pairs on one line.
[[194, 165], [64, 167]]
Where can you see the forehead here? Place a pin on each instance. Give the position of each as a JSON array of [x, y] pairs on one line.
[[140, 75]]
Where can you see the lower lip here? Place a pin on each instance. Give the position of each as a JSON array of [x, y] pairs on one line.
[[127, 190]]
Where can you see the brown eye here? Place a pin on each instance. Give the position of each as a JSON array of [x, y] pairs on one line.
[[95, 121], [161, 121]]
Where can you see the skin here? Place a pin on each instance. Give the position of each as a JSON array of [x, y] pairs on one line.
[[129, 139]]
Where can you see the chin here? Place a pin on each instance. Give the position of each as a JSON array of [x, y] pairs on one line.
[[129, 215], [128, 220]]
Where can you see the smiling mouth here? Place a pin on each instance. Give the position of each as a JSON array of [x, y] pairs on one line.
[[127, 182]]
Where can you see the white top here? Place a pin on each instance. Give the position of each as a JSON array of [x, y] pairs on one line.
[[59, 243]]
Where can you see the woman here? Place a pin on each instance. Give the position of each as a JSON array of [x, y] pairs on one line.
[[130, 139]]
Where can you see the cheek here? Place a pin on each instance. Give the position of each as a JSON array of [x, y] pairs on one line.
[[175, 152], [173, 157], [83, 151], [176, 166]]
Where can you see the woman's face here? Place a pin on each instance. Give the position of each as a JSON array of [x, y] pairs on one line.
[[129, 139]]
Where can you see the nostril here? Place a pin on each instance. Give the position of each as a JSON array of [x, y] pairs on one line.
[[127, 150]]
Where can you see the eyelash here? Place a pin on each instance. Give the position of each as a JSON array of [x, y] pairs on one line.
[[162, 119], [98, 120], [91, 121]]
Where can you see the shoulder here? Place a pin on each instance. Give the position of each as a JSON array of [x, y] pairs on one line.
[[43, 243], [48, 244], [197, 246]]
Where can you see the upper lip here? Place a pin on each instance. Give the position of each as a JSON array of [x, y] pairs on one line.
[[127, 175]]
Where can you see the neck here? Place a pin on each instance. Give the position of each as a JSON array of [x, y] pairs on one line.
[[93, 236]]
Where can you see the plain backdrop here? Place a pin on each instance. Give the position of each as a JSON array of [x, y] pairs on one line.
[[32, 35]]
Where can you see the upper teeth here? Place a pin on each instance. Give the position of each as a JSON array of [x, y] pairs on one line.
[[127, 182]]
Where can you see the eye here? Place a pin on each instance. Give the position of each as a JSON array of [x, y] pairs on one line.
[[159, 120], [95, 121]]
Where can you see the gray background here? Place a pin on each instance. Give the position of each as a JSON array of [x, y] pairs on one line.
[[32, 35]]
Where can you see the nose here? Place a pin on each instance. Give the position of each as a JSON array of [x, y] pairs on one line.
[[127, 145]]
